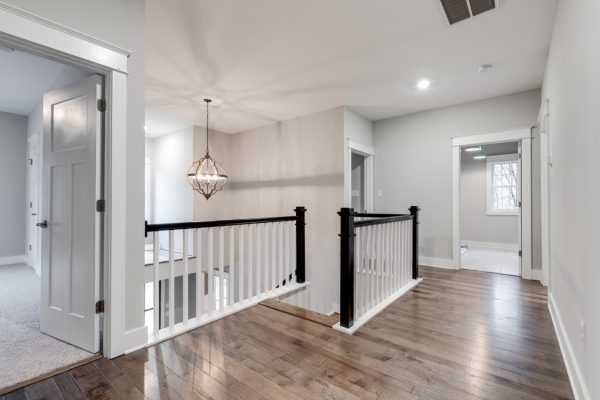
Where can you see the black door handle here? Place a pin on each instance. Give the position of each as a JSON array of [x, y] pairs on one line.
[[43, 224]]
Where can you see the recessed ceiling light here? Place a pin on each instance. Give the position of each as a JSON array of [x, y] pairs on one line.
[[476, 148], [480, 157], [485, 68], [423, 84]]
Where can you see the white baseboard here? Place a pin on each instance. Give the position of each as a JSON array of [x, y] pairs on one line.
[[378, 308], [492, 245], [446, 263], [536, 275], [575, 375], [13, 260]]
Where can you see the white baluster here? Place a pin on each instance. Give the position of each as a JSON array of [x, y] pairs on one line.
[[185, 278], [211, 279], [273, 257], [241, 263], [231, 292], [250, 259], [280, 253], [221, 269], [259, 258], [199, 274], [358, 276], [171, 280], [288, 267], [156, 284]]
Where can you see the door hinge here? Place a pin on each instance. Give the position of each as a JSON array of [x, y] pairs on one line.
[[520, 205], [100, 307], [101, 105], [100, 205], [520, 253]]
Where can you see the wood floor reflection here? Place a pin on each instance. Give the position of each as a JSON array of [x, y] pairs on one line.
[[458, 335]]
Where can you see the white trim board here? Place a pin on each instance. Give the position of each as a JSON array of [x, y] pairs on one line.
[[13, 260], [445, 263], [491, 245], [576, 377], [378, 308]]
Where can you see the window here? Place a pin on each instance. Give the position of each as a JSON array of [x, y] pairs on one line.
[[503, 185]]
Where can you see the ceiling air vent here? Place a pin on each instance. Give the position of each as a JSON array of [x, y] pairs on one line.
[[460, 10]]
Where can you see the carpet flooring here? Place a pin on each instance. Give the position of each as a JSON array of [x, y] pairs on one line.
[[25, 352]]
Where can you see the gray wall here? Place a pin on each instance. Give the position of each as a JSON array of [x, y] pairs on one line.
[[120, 23], [572, 84], [475, 223], [413, 160], [13, 178]]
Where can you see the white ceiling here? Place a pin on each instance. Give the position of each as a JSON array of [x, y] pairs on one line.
[[23, 80], [271, 60]]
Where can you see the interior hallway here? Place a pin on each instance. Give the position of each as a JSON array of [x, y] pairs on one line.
[[458, 335]]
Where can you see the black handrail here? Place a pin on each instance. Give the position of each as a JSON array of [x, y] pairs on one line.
[[347, 234], [300, 219], [212, 224], [367, 215], [383, 220]]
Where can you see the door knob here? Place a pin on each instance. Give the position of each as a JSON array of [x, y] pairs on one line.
[[43, 224]]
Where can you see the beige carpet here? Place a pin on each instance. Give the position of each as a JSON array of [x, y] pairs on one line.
[[25, 352]]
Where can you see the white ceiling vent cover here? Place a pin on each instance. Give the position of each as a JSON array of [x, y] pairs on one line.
[[459, 10]]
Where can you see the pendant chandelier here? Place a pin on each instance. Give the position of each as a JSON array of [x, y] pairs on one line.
[[207, 175]]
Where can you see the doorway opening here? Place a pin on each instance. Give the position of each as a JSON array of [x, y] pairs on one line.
[[490, 178], [507, 195], [51, 146], [359, 177]]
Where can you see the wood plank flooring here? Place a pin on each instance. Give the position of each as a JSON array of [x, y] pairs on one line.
[[458, 335], [327, 320]]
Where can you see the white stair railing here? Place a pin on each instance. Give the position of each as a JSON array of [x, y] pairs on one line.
[[378, 263], [203, 271]]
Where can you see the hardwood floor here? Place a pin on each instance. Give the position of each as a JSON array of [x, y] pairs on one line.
[[458, 335]]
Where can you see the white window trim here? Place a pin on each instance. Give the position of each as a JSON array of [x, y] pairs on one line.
[[490, 161]]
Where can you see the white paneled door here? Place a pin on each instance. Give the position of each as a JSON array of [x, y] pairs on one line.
[[69, 221]]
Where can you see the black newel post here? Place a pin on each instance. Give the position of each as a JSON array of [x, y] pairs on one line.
[[414, 211], [346, 267], [145, 228], [300, 244]]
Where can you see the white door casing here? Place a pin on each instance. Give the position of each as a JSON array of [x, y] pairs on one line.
[[33, 192], [71, 141], [368, 153]]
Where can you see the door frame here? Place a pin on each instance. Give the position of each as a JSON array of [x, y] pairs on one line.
[[546, 187], [33, 257], [368, 153], [522, 135], [40, 36]]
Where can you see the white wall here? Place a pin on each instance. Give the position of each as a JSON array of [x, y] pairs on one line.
[[572, 84], [413, 160], [172, 157], [121, 23], [475, 223], [13, 179], [277, 167], [172, 195]]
